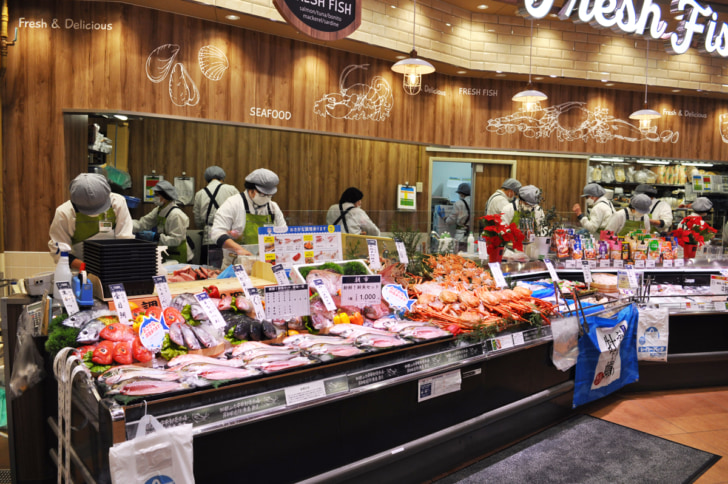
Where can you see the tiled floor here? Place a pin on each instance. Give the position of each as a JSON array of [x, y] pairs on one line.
[[697, 418]]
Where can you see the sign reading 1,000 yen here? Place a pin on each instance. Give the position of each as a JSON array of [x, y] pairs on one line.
[[322, 19], [361, 290]]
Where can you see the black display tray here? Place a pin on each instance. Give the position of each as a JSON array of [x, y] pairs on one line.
[[131, 287]]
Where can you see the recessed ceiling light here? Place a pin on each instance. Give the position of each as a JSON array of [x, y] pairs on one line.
[[499, 72], [553, 75], [462, 72], [604, 80], [393, 6], [482, 6], [232, 17]]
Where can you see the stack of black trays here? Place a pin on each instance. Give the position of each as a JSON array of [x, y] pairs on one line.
[[129, 261]]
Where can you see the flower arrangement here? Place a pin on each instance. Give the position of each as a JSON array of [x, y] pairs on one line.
[[693, 230], [497, 234]]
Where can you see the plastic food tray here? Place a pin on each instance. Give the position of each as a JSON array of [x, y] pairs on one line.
[[297, 278]]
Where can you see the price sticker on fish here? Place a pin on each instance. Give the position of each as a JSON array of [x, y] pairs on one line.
[[324, 293], [162, 288], [121, 303], [361, 291], [401, 251], [373, 247], [213, 314], [67, 297]]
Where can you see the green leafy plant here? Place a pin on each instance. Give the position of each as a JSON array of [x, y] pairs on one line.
[[551, 221]]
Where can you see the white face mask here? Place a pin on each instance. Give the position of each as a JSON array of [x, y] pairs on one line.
[[260, 199], [589, 202], [158, 201]]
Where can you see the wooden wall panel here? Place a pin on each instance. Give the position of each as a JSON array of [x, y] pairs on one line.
[[51, 70]]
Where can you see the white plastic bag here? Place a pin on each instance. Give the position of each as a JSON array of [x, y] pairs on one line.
[[565, 332], [653, 334], [164, 455]]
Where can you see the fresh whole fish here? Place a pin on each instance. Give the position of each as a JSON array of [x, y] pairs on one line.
[[319, 349], [104, 353], [180, 301], [191, 341], [203, 336], [218, 372], [175, 334], [79, 319], [90, 332], [256, 360], [243, 304], [225, 303], [140, 352], [354, 330], [122, 373], [122, 352], [306, 340], [197, 313], [380, 341], [269, 330], [140, 388], [274, 366], [420, 333], [375, 312], [242, 329], [182, 360], [117, 332], [268, 350], [256, 331], [248, 345]]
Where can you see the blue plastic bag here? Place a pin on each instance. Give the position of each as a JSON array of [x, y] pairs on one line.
[[607, 356]]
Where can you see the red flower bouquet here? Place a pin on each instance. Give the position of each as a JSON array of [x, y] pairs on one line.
[[497, 234], [694, 231]]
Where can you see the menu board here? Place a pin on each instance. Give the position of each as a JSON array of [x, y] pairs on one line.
[[310, 244]]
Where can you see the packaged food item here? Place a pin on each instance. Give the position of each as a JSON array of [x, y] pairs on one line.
[[589, 251], [561, 240], [576, 250], [640, 252], [616, 250], [603, 250], [626, 251], [653, 250], [666, 250]]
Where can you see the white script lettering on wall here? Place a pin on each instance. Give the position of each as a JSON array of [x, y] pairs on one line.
[[597, 125], [357, 101], [213, 62]]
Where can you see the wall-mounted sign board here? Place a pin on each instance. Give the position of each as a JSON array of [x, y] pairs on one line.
[[322, 19]]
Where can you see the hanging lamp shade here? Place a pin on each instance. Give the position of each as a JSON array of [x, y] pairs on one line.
[[530, 97], [413, 68], [645, 115]]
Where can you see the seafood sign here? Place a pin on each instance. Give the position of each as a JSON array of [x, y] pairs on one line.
[[597, 125], [357, 101], [397, 297]]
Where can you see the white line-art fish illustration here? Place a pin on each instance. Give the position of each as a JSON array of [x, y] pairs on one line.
[[358, 101], [596, 124]]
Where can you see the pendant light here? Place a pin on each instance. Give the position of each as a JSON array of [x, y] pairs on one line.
[[413, 68], [530, 97], [645, 115]]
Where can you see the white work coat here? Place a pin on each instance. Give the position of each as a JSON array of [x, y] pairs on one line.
[[357, 219], [598, 215], [202, 205]]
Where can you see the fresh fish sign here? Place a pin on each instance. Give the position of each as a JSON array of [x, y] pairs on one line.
[[322, 19]]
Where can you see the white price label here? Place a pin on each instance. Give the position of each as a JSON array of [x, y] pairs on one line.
[[570, 263], [283, 302], [320, 287], [243, 278], [618, 263], [254, 297], [667, 263], [361, 290], [495, 269], [401, 251], [373, 247], [551, 269], [724, 272], [632, 277], [592, 263], [162, 288], [280, 274], [639, 264], [721, 306], [679, 263], [482, 250], [305, 392], [67, 297], [502, 342], [604, 263], [121, 303], [586, 270], [518, 339], [213, 314], [650, 263]]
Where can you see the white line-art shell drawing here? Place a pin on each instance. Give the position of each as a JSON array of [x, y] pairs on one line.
[[213, 62], [597, 125], [182, 89], [723, 127], [160, 61], [358, 101]]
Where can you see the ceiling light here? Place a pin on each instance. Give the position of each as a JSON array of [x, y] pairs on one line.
[[604, 80], [121, 117], [645, 115], [393, 6], [553, 75], [676, 90], [653, 162], [610, 84], [413, 68], [462, 72], [232, 17], [400, 57], [500, 74], [614, 159], [530, 98], [706, 165], [482, 7]]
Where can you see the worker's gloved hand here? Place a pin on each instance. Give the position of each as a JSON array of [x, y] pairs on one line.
[[440, 211], [147, 235]]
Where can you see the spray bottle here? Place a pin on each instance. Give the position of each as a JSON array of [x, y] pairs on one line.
[[63, 270], [471, 243]]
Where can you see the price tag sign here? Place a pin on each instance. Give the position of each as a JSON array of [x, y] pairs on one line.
[[482, 250], [632, 277], [254, 297], [151, 333], [518, 339], [650, 263], [604, 263], [679, 263], [718, 284], [283, 302], [618, 263], [592, 263], [570, 263], [361, 291], [162, 288], [724, 272], [721, 306], [495, 269], [280, 274], [502, 342], [551, 269], [67, 297], [320, 287], [305, 392], [213, 314], [667, 263], [640, 264], [586, 270], [121, 303], [401, 251], [373, 247], [243, 278]]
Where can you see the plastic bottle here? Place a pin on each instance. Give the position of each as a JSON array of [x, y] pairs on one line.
[[63, 271], [471, 244]]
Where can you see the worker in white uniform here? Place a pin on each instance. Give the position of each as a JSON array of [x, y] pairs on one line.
[[92, 213], [349, 214], [660, 211], [460, 216], [601, 208], [238, 219], [166, 224], [207, 201], [502, 197], [524, 207], [633, 218]]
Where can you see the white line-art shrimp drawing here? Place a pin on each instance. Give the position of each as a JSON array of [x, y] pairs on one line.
[[357, 101], [597, 125], [213, 62]]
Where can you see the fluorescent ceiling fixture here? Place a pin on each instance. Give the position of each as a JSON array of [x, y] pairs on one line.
[[687, 163], [124, 118], [653, 162], [482, 6], [232, 17], [607, 158]]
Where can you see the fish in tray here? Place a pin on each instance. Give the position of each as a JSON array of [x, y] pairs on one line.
[[187, 359], [342, 350], [274, 366], [270, 350], [122, 373], [210, 371], [396, 325], [79, 319], [423, 333], [146, 387], [380, 341], [305, 340], [90, 332], [354, 331], [257, 360]]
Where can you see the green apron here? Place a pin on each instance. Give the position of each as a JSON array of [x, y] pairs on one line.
[[178, 253], [87, 226], [630, 225], [252, 223]]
